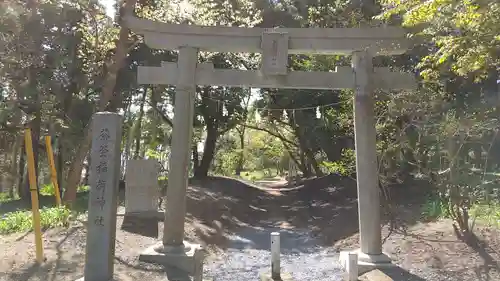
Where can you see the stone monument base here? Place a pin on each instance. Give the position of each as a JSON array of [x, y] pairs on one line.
[[141, 225], [283, 277], [366, 262], [188, 258]]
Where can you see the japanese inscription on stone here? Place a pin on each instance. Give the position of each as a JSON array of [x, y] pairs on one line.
[[104, 177], [101, 170]]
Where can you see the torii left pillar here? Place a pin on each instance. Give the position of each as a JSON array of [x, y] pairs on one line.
[[174, 251]]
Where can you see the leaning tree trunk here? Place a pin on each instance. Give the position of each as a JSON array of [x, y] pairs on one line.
[[208, 151], [315, 165], [122, 46], [241, 156]]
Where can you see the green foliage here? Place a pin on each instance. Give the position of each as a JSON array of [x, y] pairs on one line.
[[5, 197], [488, 214], [346, 166], [257, 174], [23, 221], [464, 32], [49, 190], [260, 152], [435, 208], [83, 188]]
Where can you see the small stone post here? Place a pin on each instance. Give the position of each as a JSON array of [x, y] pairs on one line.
[[366, 161], [104, 177], [275, 274], [275, 256], [352, 267], [175, 209]]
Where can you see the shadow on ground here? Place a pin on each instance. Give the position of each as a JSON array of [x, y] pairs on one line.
[[394, 273], [326, 207]]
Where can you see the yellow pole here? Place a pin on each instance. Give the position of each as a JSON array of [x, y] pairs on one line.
[[34, 196], [53, 173]]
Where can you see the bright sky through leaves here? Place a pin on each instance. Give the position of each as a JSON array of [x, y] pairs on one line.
[[109, 6]]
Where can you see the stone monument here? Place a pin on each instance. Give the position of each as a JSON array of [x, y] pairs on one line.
[[141, 197], [275, 45], [141, 187], [104, 177]]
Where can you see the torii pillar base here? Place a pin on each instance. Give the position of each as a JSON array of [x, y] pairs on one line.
[[367, 262], [188, 258], [283, 277]]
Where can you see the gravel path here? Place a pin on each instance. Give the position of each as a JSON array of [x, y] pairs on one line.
[[248, 255]]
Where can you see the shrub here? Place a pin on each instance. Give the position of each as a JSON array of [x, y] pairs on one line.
[[5, 197], [487, 213], [434, 208], [21, 221]]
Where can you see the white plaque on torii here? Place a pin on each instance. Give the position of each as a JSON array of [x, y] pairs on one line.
[[274, 52]]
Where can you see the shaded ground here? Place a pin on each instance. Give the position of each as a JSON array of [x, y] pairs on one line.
[[432, 251], [248, 255], [229, 215]]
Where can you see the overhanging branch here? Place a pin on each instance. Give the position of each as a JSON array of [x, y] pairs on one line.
[[271, 133], [163, 116]]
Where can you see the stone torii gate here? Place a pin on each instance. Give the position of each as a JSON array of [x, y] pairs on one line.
[[275, 46]]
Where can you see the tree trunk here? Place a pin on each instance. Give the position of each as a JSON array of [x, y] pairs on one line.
[[208, 151], [22, 163], [87, 171], [14, 165], [138, 128], [59, 165], [128, 137], [241, 159], [106, 95], [35, 144], [315, 166], [304, 155], [196, 157], [304, 166], [155, 119]]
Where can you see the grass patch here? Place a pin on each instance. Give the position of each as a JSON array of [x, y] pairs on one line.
[[5, 197], [488, 214], [16, 216], [22, 221], [257, 175]]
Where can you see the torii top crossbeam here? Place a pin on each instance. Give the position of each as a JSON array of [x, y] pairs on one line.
[[378, 41]]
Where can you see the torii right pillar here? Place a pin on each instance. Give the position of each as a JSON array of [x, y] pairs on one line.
[[370, 254]]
